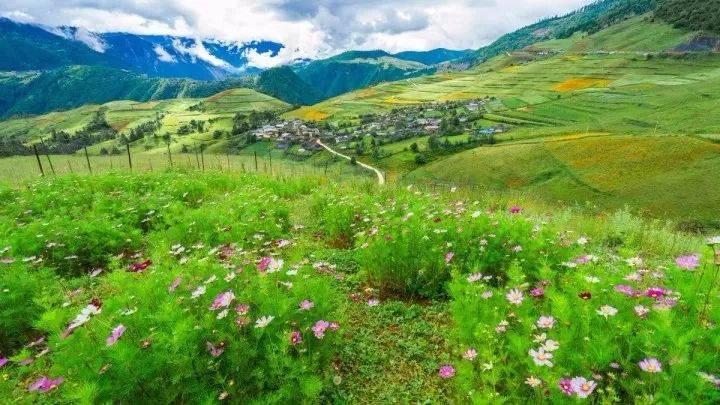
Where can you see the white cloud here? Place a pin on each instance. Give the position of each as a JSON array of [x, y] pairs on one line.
[[18, 16], [163, 55], [308, 28], [197, 50]]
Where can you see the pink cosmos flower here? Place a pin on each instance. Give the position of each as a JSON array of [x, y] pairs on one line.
[[655, 292], [447, 371], [242, 309], [175, 284], [582, 387], [470, 354], [537, 292], [283, 243], [334, 326], [515, 296], [474, 277], [566, 386], [3, 361], [223, 300], [264, 263], [448, 257], [215, 351], [664, 303], [373, 302], [295, 338], [689, 262], [306, 305], [627, 290], [319, 328], [115, 335], [45, 384], [545, 322], [650, 365], [487, 294], [641, 310]]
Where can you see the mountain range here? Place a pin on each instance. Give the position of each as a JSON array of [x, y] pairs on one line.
[[81, 66], [144, 67]]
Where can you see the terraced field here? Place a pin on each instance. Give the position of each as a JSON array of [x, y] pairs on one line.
[[126, 115]]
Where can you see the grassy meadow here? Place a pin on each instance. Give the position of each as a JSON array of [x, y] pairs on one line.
[[208, 287]]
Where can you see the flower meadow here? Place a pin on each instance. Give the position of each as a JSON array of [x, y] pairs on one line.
[[185, 288]]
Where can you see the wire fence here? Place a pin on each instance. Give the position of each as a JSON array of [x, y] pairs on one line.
[[17, 170]]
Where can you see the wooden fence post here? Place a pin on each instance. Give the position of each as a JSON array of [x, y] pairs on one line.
[[47, 155], [87, 157], [128, 153], [197, 157], [169, 154], [256, 165], [37, 156]]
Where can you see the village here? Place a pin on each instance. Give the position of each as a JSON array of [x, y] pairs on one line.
[[427, 120]]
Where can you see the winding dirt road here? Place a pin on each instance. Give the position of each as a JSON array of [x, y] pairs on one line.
[[380, 176]]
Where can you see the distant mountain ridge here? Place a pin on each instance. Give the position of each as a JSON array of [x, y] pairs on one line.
[[353, 70], [33, 47]]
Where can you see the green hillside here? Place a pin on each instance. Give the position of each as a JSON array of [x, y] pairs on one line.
[[603, 95], [358, 69], [692, 15], [589, 19], [74, 86], [283, 83], [174, 117]]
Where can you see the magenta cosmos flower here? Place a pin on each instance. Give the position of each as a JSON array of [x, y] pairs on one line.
[[689, 262], [655, 292], [45, 384], [447, 371], [566, 386], [650, 365], [115, 335], [3, 361], [515, 209], [295, 338]]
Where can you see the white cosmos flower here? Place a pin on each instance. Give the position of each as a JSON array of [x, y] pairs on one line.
[[263, 321], [541, 357], [607, 311]]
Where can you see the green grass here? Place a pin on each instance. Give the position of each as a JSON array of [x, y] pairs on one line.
[[389, 264], [604, 170]]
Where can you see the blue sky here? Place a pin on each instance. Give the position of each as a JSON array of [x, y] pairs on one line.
[[308, 28]]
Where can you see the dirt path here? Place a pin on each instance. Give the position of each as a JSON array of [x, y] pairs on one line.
[[380, 176]]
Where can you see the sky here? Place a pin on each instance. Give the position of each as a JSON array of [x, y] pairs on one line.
[[307, 28]]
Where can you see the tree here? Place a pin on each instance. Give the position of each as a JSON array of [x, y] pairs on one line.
[[353, 161], [414, 147], [420, 159]]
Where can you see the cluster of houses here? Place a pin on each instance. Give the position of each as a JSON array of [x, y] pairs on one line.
[[397, 125], [288, 133]]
